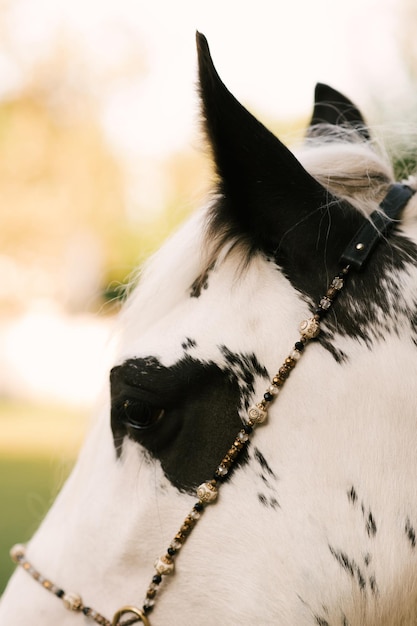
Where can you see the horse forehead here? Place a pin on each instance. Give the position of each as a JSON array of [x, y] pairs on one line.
[[197, 352], [237, 309]]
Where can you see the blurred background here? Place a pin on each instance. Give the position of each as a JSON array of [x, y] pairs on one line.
[[101, 156]]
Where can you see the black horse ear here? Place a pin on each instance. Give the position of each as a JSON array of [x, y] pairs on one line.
[[265, 190], [334, 109]]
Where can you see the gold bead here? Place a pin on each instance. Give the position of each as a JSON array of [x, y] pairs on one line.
[[283, 372], [232, 453]]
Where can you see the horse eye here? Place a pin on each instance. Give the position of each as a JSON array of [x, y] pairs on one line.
[[140, 415]]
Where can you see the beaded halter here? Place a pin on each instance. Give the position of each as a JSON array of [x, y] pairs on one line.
[[355, 255]]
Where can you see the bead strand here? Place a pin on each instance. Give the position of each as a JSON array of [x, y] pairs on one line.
[[309, 329], [71, 601], [207, 492]]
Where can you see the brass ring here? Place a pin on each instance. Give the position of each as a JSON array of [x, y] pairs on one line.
[[130, 609]]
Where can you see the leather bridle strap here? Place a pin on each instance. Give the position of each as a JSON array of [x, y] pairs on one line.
[[377, 225]]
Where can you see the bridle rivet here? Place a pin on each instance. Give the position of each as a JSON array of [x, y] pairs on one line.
[[360, 246], [132, 610]]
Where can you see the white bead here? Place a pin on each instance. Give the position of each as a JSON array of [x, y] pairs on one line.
[[242, 436], [325, 303], [273, 389], [222, 470], [337, 283], [207, 492], [72, 601], [149, 603], [295, 354], [195, 514], [163, 566], [310, 328], [257, 414], [17, 552]]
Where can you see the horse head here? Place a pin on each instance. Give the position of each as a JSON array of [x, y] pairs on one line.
[[315, 500]]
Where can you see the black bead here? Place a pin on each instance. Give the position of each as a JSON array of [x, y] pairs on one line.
[[60, 593], [156, 579], [248, 429], [268, 396], [147, 609], [299, 346], [198, 506], [171, 551], [86, 610]]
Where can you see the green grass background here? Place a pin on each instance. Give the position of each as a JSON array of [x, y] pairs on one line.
[[38, 446], [27, 488]]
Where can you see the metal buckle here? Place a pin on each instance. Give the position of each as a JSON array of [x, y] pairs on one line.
[[133, 611]]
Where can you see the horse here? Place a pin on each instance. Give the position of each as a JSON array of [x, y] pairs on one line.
[[255, 461]]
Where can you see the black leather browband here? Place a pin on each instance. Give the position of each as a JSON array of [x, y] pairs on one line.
[[380, 222]]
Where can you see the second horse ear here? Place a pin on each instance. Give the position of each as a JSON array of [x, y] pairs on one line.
[[331, 108]]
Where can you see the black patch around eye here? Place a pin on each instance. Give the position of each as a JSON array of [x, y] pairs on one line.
[[195, 407]]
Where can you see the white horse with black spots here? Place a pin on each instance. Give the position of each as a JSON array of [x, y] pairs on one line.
[[248, 470]]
